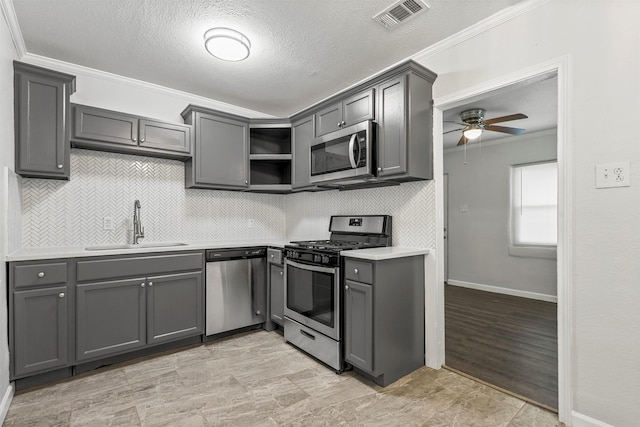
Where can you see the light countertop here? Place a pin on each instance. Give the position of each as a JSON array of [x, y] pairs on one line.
[[390, 252], [40, 253]]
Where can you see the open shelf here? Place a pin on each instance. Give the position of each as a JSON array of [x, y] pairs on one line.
[[270, 158]]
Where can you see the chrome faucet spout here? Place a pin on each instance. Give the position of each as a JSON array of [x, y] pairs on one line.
[[138, 229]]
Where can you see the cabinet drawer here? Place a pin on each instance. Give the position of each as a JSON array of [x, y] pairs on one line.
[[39, 274], [360, 271], [137, 266], [274, 256]]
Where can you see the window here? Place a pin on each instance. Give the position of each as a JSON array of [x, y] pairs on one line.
[[534, 205]]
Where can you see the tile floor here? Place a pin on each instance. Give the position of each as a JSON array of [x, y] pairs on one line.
[[255, 379]]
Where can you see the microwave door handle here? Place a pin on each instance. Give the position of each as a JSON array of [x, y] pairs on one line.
[[352, 142]]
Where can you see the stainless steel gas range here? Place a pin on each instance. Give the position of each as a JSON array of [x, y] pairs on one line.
[[313, 284]]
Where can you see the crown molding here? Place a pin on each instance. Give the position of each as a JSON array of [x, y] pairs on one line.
[[487, 24], [10, 17]]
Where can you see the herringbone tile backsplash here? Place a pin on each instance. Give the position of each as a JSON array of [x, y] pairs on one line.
[[71, 213]]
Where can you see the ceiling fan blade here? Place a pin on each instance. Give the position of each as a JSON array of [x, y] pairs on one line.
[[463, 140], [455, 130], [516, 116], [504, 129]]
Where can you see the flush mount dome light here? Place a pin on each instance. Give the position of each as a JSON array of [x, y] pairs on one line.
[[227, 44]]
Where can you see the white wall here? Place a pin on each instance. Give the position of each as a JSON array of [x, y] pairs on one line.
[[9, 209], [479, 238], [601, 40]]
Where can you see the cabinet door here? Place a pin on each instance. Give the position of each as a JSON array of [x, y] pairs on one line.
[[165, 136], [40, 330], [105, 126], [302, 136], [392, 123], [277, 293], [110, 318], [358, 312], [174, 307], [222, 151], [42, 138], [328, 119], [358, 108]]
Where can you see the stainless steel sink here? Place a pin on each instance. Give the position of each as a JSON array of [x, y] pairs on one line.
[[131, 246]]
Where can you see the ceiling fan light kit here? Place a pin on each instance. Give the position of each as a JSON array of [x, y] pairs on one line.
[[475, 124], [227, 44]]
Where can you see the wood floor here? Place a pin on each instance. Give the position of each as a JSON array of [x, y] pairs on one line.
[[507, 341]]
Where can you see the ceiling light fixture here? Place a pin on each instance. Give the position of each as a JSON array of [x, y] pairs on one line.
[[227, 44], [472, 131]]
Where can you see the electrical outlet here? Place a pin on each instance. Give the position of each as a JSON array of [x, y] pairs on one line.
[[107, 223], [613, 175], [252, 223]]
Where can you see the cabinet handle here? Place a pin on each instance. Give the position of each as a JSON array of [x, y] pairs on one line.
[[142, 285], [41, 274], [60, 166], [150, 283], [61, 295], [355, 270], [346, 287]]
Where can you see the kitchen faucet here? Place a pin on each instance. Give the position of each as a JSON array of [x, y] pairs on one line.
[[138, 229]]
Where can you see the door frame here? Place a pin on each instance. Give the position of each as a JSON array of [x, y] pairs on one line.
[[435, 284]]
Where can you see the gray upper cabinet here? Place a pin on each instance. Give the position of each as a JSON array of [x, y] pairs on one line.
[[349, 111], [99, 129], [221, 156], [41, 110], [404, 137], [303, 131], [40, 330]]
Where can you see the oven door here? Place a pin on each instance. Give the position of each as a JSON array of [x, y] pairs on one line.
[[312, 297], [342, 154]]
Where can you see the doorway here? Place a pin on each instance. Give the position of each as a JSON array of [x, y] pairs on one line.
[[558, 67]]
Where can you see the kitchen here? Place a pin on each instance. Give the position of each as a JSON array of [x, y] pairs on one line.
[[305, 215]]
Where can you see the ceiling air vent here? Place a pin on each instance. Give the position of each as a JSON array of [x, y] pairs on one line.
[[399, 12]]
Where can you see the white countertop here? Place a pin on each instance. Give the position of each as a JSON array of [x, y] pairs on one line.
[[389, 252], [33, 254]]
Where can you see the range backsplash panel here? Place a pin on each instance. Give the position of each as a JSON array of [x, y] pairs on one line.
[[412, 206], [71, 213]]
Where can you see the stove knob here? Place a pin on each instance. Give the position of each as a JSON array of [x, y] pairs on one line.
[[317, 258], [325, 259]]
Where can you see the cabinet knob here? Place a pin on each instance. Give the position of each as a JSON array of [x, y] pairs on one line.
[[60, 166], [134, 139], [346, 287], [150, 283], [258, 312], [343, 123], [142, 285], [246, 182], [61, 295], [141, 140], [355, 270], [282, 273], [339, 124], [41, 274], [379, 169]]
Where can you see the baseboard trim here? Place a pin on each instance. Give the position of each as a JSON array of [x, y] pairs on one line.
[[581, 420], [6, 402], [506, 291]]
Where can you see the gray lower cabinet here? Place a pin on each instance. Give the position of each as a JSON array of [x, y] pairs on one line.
[[98, 129], [404, 117], [40, 330], [221, 156], [276, 273], [384, 317], [174, 307], [41, 109]]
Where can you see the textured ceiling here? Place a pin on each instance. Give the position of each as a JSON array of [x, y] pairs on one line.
[[302, 50], [536, 98]]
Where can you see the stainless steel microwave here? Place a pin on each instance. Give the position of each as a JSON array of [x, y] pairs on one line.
[[343, 154]]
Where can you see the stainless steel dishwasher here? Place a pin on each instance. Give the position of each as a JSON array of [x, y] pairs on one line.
[[235, 289]]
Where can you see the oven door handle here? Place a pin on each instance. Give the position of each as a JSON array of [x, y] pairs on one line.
[[319, 269], [352, 160]]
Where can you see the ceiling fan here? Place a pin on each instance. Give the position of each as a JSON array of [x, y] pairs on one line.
[[474, 124]]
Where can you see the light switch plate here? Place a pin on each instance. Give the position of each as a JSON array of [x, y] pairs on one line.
[[613, 175]]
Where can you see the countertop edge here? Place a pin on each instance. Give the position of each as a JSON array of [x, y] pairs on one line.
[[391, 252]]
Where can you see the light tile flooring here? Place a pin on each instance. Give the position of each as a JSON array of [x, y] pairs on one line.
[[255, 379]]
